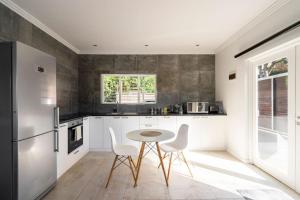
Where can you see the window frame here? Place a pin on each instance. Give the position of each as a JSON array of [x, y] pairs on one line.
[[120, 87]]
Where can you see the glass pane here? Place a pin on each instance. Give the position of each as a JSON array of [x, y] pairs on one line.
[[130, 90], [147, 89], [265, 104], [281, 104], [110, 87], [272, 69], [272, 103]]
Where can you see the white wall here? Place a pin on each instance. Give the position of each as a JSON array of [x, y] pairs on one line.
[[234, 94]]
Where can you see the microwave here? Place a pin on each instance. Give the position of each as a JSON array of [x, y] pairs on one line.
[[197, 107]]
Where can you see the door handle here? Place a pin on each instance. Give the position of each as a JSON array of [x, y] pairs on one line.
[[56, 141], [56, 117]]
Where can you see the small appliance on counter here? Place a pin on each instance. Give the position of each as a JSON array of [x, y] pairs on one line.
[[216, 108], [213, 108], [197, 107]]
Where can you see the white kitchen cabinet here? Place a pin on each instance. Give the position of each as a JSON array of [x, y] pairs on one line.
[[115, 123], [62, 150], [207, 133], [148, 122], [66, 160], [96, 133], [183, 120], [168, 123], [129, 123], [86, 131]]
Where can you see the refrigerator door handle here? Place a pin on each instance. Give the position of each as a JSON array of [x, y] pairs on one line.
[[56, 140], [56, 117]]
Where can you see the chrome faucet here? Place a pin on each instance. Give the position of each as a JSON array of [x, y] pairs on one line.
[[117, 106], [116, 109]]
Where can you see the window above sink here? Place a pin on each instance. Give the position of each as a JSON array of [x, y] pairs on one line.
[[128, 89]]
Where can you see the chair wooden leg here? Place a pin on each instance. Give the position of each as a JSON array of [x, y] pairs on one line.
[[129, 160], [170, 163], [163, 159], [111, 171], [187, 164]]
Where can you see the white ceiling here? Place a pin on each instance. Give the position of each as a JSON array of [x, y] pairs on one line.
[[125, 26]]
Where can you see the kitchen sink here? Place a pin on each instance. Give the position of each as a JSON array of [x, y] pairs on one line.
[[129, 113]]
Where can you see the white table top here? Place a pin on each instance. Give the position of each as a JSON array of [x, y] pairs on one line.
[[136, 135]]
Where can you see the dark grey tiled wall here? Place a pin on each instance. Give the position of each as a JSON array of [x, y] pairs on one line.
[[180, 78], [14, 27]]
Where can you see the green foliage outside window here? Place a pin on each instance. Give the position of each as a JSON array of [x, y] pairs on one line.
[[129, 88]]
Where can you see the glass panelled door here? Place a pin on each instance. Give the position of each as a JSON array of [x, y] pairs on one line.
[[274, 143]]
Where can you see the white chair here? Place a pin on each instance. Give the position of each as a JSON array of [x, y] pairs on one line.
[[123, 153], [177, 146]]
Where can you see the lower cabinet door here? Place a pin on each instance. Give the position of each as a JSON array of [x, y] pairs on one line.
[[63, 149], [129, 123], [116, 124], [86, 137], [96, 133], [207, 133], [168, 123]]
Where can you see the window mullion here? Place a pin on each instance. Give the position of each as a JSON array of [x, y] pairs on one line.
[[272, 101], [120, 89], [139, 89]]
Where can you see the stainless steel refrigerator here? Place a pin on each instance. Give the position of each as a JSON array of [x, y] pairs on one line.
[[28, 122]]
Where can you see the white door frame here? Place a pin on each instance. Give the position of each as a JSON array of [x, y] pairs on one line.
[[298, 119], [290, 54]]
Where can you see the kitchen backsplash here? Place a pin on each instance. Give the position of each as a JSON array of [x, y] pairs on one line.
[[180, 78]]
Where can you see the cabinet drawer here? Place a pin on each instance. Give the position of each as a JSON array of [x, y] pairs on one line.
[[148, 126], [150, 120]]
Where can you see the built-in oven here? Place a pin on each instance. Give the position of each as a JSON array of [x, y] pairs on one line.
[[75, 134]]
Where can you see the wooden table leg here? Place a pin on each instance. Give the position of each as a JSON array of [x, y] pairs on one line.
[[139, 163], [162, 163]]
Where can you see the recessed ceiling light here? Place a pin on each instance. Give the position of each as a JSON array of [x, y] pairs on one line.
[[95, 45], [197, 45], [146, 45]]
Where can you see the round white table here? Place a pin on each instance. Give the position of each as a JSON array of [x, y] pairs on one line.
[[148, 137]]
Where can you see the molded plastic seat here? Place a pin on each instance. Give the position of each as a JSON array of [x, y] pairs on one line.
[[177, 146], [121, 149], [126, 150], [180, 143], [168, 147]]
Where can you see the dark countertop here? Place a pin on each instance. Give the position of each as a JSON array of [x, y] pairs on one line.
[[66, 118]]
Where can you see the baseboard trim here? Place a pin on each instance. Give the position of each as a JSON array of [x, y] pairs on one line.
[[237, 156]]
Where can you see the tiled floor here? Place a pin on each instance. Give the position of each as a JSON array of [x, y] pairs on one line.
[[217, 175]]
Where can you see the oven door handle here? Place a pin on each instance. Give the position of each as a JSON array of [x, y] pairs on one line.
[[56, 140]]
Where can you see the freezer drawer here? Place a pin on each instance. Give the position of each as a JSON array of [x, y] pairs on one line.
[[36, 166]]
